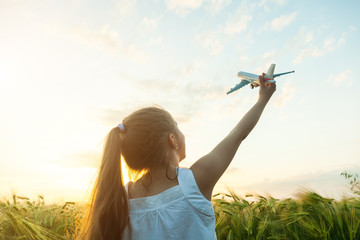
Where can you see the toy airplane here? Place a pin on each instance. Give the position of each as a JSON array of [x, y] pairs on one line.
[[253, 79]]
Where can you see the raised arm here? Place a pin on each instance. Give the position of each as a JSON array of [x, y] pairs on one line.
[[208, 169]]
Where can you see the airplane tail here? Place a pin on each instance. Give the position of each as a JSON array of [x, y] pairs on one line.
[[270, 72]]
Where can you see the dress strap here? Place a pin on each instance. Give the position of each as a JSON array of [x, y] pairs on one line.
[[192, 192]]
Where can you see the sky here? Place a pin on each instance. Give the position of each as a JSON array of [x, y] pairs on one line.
[[72, 70]]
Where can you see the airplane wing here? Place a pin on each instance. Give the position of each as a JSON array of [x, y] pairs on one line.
[[238, 86], [279, 74]]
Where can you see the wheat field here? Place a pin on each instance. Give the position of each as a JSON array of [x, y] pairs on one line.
[[309, 216]]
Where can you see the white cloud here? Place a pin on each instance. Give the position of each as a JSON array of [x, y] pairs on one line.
[[329, 45], [125, 7], [302, 38], [263, 3], [342, 39], [108, 39], [352, 28], [103, 37], [243, 59], [237, 24], [149, 24], [240, 20], [287, 93], [156, 40], [309, 37], [134, 53], [341, 79], [279, 2], [210, 41], [269, 55], [183, 7], [215, 6], [284, 20], [310, 51], [191, 68]]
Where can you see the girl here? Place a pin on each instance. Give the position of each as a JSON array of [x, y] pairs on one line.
[[166, 202]]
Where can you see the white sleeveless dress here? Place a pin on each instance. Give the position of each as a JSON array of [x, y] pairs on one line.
[[180, 212]]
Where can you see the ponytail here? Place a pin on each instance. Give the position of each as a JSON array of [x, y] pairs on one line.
[[109, 210], [143, 145]]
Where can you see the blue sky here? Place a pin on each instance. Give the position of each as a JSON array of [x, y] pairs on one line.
[[70, 71]]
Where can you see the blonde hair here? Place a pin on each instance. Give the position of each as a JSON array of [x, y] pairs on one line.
[[142, 144]]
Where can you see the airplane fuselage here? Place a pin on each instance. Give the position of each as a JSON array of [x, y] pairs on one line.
[[254, 78]]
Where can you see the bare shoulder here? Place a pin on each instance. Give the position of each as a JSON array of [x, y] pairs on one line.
[[204, 176]]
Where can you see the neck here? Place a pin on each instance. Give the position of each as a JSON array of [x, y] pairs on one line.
[[159, 183], [161, 176]]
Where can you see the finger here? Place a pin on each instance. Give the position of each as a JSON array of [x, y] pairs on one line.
[[261, 80]]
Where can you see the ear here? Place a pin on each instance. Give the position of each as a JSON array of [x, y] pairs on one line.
[[173, 141]]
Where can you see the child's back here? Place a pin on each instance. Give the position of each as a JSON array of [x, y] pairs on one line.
[[180, 212]]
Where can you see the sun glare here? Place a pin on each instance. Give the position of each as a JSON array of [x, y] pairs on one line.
[[125, 171]]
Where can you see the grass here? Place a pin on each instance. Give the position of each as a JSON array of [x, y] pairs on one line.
[[21, 218], [309, 216]]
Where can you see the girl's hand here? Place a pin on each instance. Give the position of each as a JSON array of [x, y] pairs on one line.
[[266, 89]]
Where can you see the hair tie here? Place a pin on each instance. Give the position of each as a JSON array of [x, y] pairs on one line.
[[122, 127]]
